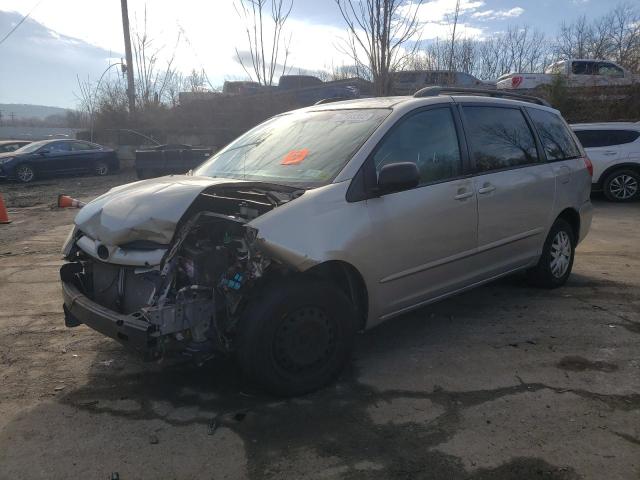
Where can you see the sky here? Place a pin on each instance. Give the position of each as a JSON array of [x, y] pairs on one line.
[[68, 38]]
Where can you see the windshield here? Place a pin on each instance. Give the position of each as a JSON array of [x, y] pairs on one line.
[[32, 147], [303, 149]]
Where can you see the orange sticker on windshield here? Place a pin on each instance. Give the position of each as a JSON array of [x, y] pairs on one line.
[[294, 157]]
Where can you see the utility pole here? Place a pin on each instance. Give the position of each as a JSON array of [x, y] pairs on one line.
[[131, 92], [453, 42]]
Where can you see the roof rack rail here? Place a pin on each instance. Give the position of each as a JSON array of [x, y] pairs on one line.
[[331, 100], [435, 91]]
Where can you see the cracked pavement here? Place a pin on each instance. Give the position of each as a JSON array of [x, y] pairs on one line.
[[501, 382]]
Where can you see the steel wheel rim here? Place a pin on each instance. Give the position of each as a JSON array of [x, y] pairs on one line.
[[24, 173], [305, 340], [623, 187], [560, 254], [102, 169]]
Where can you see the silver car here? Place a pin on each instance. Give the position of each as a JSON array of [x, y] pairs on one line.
[[325, 221]]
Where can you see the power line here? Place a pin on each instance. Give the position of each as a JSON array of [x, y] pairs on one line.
[[19, 23]]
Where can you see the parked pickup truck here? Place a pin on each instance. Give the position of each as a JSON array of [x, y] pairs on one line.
[[577, 73], [169, 159]]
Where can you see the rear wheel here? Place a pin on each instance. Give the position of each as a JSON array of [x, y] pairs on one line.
[[555, 264], [622, 186], [296, 336], [25, 173]]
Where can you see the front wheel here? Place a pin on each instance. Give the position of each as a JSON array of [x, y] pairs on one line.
[[25, 173], [296, 336], [555, 264], [101, 168], [622, 186]]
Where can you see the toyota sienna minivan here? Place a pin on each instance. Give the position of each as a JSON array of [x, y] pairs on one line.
[[328, 220]]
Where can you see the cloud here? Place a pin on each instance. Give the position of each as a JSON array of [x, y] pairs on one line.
[[498, 14], [435, 17], [438, 11]]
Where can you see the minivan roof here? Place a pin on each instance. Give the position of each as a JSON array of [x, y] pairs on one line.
[[408, 102]]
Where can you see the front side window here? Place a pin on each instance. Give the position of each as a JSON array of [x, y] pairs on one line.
[[499, 138], [304, 149], [58, 147], [583, 68], [556, 139], [592, 138], [429, 140]]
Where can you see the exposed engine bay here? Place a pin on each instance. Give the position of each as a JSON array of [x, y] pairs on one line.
[[193, 299]]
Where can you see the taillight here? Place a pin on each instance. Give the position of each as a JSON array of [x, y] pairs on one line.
[[588, 164]]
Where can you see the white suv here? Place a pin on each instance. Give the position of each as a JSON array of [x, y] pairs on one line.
[[614, 149]]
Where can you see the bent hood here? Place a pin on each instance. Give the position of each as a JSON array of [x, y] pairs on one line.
[[145, 210]]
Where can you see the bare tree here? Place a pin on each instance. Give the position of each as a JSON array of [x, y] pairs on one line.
[[265, 57], [152, 82], [614, 36], [379, 31], [625, 35]]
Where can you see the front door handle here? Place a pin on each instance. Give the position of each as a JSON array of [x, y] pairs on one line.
[[462, 194], [486, 188]]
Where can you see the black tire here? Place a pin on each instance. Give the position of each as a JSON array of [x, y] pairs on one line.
[[296, 336], [25, 173], [547, 274], [622, 186], [102, 169]]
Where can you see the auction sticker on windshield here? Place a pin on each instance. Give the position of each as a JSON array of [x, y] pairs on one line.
[[295, 157]]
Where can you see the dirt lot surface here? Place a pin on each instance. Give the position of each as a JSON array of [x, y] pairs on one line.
[[501, 382]]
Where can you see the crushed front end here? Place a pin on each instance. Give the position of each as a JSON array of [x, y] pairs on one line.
[[186, 296]]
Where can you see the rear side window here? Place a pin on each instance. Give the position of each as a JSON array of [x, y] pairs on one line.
[[78, 146], [606, 138], [556, 138], [609, 70], [429, 140], [499, 138]]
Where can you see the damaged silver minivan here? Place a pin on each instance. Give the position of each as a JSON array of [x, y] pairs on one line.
[[328, 220]]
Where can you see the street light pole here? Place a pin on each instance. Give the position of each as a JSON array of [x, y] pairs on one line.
[[95, 94]]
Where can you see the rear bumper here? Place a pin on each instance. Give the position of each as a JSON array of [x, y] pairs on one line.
[[130, 330], [586, 215]]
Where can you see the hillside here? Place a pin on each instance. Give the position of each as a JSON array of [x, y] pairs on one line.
[[22, 111]]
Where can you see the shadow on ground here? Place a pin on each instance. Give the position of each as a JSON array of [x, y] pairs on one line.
[[336, 423]]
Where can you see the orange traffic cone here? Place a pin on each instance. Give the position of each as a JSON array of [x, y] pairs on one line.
[[65, 201], [4, 216]]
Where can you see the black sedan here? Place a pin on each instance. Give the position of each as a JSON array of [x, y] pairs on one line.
[[57, 157]]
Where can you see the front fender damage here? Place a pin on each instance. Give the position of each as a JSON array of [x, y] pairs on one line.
[[213, 266]]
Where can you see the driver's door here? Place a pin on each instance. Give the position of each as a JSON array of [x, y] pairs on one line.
[[55, 158], [424, 236]]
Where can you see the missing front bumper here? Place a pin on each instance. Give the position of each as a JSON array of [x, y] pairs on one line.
[[131, 330]]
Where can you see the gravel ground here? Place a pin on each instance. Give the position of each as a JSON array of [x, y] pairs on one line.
[[503, 382]]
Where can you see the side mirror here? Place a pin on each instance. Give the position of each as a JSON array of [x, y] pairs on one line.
[[395, 177], [43, 152]]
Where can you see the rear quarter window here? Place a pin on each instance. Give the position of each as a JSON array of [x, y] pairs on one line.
[[557, 141]]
